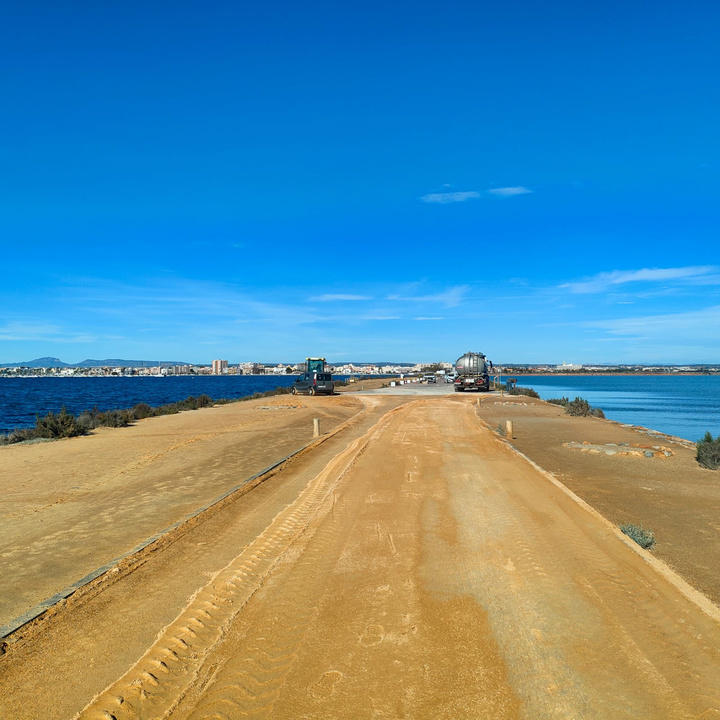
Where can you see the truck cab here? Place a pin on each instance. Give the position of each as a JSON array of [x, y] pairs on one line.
[[315, 364]]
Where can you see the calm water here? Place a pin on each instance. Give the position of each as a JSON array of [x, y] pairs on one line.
[[21, 399], [687, 405]]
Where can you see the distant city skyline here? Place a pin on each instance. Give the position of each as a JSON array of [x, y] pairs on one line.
[[535, 182], [220, 367]]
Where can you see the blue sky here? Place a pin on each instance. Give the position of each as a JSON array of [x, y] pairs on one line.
[[385, 181]]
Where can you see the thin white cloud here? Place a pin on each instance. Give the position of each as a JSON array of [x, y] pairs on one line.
[[669, 327], [607, 280], [450, 197], [445, 198], [339, 297], [510, 191], [450, 298], [28, 331], [192, 303]]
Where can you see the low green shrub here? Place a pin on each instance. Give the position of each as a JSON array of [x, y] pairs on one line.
[[189, 403], [528, 392], [115, 418], [644, 538], [168, 409], [708, 452], [88, 419], [17, 436], [142, 411], [60, 425], [64, 424], [563, 401], [91, 419], [579, 407]]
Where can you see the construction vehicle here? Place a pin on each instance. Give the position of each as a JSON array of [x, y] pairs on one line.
[[315, 365], [472, 372]]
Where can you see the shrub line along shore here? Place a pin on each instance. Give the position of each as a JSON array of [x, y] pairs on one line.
[[66, 425]]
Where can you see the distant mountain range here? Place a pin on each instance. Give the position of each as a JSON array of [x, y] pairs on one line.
[[51, 362]]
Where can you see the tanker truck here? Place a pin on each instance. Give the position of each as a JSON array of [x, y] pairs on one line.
[[472, 372]]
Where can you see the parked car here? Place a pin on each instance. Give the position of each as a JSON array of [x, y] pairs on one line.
[[450, 378], [429, 378], [313, 382]]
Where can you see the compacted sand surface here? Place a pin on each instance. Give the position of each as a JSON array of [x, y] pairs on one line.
[[629, 475], [410, 565], [69, 507]]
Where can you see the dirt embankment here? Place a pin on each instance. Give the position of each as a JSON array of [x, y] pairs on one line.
[[669, 494], [411, 565], [363, 385], [71, 506]]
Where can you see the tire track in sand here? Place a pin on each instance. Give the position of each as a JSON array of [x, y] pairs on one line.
[[155, 685], [261, 653], [579, 601]]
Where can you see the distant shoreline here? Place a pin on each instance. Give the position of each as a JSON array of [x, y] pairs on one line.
[[639, 373]]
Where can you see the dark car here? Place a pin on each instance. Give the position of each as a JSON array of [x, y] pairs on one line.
[[313, 382]]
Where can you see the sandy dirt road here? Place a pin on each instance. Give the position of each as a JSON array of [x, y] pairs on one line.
[[71, 506], [673, 496], [414, 567]]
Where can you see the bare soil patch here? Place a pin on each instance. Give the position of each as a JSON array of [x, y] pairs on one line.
[[411, 565], [362, 385], [70, 506], [673, 496]]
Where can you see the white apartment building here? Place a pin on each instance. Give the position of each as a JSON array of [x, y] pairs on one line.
[[219, 367], [565, 367]]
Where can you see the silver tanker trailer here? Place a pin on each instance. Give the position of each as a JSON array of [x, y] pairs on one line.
[[472, 372]]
